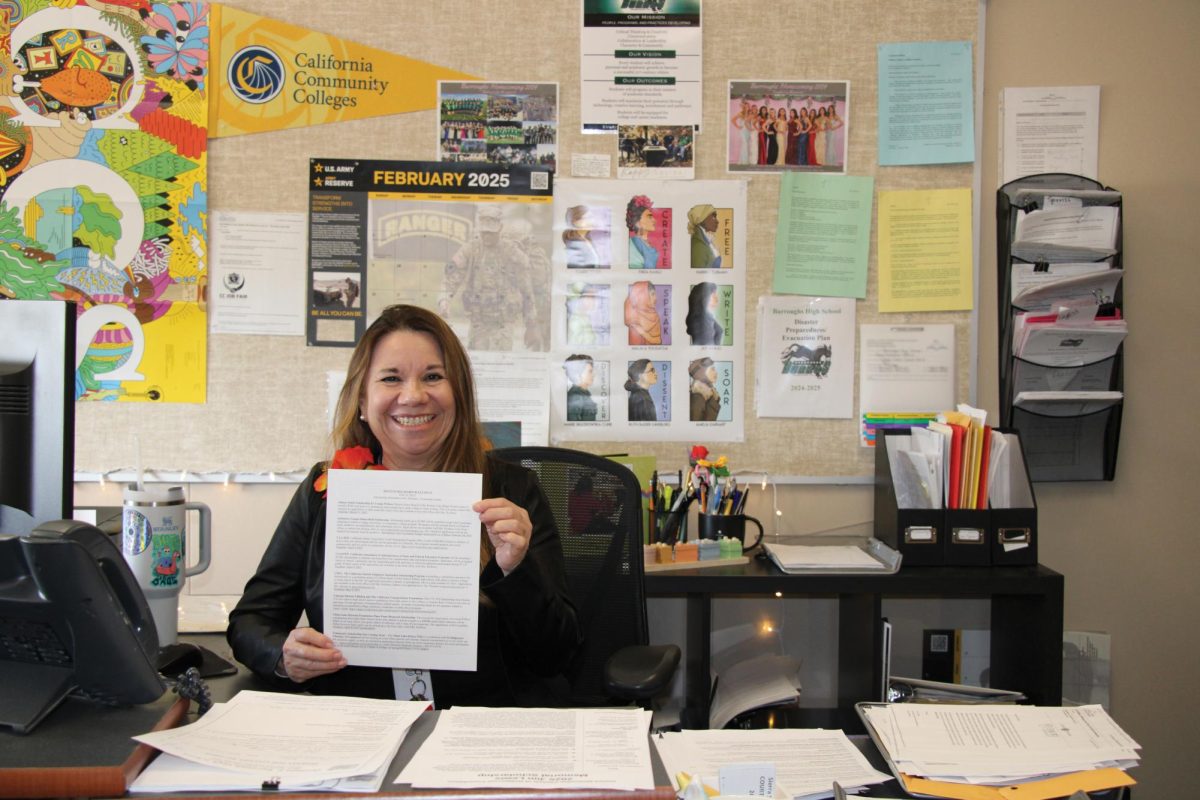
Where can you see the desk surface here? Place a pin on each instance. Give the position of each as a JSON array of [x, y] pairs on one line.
[[760, 576], [83, 733], [80, 733]]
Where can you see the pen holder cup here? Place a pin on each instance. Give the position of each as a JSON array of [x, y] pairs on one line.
[[714, 526]]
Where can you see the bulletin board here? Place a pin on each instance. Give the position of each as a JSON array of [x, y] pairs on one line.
[[267, 406]]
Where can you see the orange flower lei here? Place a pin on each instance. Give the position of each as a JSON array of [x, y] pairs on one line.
[[358, 457]]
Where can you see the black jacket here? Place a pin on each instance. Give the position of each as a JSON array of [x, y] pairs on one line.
[[641, 404], [527, 626]]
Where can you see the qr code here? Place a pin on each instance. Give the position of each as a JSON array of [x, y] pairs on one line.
[[939, 643], [539, 180]]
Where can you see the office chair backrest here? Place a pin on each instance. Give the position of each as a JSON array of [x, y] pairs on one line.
[[597, 506]]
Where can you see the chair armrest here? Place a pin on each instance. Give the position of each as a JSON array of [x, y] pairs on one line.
[[640, 672]]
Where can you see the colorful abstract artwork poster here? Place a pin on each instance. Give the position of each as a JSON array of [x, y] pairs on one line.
[[103, 184]]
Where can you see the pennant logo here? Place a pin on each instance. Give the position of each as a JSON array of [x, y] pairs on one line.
[[256, 74]]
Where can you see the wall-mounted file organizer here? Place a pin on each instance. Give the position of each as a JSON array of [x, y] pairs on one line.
[[1003, 534], [1071, 438]]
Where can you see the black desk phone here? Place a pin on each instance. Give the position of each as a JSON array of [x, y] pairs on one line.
[[72, 620]]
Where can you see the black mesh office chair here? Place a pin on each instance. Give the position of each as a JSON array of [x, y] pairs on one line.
[[596, 504]]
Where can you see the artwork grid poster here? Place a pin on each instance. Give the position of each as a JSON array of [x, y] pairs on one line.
[[103, 186], [647, 312]]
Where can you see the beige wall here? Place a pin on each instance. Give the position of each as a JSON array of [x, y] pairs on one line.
[[1129, 549]]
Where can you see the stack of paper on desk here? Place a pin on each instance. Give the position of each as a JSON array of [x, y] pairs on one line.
[[759, 682], [807, 762], [535, 748], [800, 557], [992, 745], [264, 740]]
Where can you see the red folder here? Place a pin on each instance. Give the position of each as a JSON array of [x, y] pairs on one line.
[[956, 464]]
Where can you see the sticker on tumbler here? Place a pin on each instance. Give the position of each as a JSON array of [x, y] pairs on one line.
[[136, 533]]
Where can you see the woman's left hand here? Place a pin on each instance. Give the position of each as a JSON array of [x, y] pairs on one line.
[[508, 529]]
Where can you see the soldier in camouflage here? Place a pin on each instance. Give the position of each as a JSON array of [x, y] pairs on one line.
[[495, 278]]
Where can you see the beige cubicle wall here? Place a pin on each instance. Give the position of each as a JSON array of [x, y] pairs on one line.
[[266, 408], [1128, 548]]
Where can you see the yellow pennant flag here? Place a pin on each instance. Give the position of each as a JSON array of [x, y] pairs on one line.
[[268, 75]]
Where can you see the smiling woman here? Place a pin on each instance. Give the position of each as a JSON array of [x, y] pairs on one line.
[[408, 403]]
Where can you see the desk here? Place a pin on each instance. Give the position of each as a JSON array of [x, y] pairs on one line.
[[80, 733], [1026, 626]]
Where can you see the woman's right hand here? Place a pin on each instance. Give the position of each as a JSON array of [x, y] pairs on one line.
[[308, 654]]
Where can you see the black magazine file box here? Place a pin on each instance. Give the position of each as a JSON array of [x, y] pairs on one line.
[[968, 537], [918, 534], [1015, 529]]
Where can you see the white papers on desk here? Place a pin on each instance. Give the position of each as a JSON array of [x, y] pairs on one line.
[[1066, 234], [990, 744], [535, 748], [169, 773], [758, 682], [402, 568], [807, 762], [293, 739], [800, 557]]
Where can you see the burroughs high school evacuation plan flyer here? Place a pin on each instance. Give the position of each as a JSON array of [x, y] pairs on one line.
[[805, 357], [639, 63]]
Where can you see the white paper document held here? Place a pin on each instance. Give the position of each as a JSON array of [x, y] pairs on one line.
[[276, 737], [535, 748], [402, 568]]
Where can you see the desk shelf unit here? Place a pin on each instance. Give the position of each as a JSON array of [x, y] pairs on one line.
[[1026, 626]]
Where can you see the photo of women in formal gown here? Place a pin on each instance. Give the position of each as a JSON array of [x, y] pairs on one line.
[[642, 376], [641, 314], [649, 234], [702, 324], [787, 125], [586, 238]]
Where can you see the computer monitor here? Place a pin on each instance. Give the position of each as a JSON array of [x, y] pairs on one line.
[[37, 413]]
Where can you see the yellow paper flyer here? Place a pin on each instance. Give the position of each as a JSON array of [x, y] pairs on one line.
[[925, 259]]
